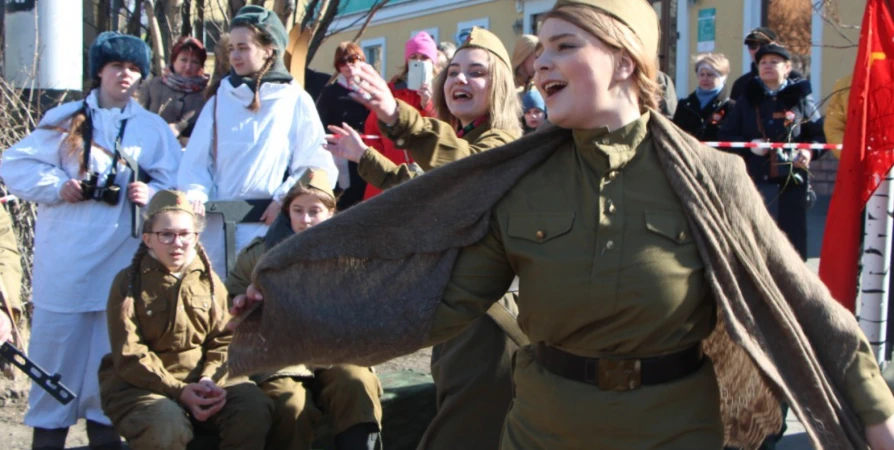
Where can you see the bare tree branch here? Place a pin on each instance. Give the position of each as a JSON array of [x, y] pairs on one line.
[[159, 52], [369, 17]]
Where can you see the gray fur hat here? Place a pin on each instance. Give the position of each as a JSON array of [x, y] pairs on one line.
[[110, 46]]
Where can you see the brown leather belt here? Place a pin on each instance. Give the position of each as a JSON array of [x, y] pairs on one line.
[[619, 374]]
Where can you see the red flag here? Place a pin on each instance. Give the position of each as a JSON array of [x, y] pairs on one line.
[[868, 152]]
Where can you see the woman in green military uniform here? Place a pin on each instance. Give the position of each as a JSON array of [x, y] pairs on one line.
[[629, 238], [349, 394], [478, 110], [167, 317]]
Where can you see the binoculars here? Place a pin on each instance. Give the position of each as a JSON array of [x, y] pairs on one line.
[[110, 193]]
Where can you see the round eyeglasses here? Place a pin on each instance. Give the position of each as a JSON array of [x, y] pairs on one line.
[[168, 237]]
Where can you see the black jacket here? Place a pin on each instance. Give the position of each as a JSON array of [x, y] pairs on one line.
[[801, 126], [703, 123], [335, 107]]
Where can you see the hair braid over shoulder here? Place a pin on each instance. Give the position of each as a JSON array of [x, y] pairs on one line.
[[255, 104], [133, 282]]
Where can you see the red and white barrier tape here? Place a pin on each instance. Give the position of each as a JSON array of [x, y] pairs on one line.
[[773, 145]]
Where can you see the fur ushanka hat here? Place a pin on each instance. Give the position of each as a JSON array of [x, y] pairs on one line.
[[110, 46]]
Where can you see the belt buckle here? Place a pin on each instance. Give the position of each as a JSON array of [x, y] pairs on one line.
[[620, 374]]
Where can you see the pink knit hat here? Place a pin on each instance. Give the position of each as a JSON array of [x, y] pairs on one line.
[[421, 43]]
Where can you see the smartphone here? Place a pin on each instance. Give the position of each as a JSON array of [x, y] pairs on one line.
[[419, 73]]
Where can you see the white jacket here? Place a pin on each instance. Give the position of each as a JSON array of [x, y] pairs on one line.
[[255, 150], [79, 247]]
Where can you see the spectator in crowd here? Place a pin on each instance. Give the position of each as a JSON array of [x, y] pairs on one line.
[[255, 136], [70, 167], [336, 107], [11, 311], [445, 54], [523, 55], [348, 394], [758, 37], [178, 94], [704, 111], [668, 103], [777, 109], [836, 116], [167, 317], [420, 47], [535, 110], [478, 110]]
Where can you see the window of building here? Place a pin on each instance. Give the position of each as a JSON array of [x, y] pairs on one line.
[[463, 29], [374, 50], [433, 32]]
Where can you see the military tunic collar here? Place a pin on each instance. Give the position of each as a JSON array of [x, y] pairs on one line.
[[618, 146], [150, 263]]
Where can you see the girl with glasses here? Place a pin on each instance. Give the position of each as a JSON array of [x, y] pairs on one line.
[[165, 378]]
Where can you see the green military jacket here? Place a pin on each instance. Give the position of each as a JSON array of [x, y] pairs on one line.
[[607, 264], [238, 282], [10, 268], [174, 333], [431, 142]]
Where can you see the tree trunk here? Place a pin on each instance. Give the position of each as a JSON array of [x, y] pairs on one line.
[[186, 18], [320, 26], [284, 9], [158, 53], [309, 13], [102, 16], [173, 17], [234, 6], [200, 20], [134, 25]]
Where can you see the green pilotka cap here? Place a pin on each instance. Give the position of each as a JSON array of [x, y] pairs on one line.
[[638, 15], [169, 200], [318, 179], [485, 40]]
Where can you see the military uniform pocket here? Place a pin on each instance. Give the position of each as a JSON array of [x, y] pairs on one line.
[[539, 227], [670, 226]]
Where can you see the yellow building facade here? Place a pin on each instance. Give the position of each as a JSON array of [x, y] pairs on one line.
[[830, 37]]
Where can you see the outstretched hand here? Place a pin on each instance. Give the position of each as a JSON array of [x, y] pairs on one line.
[[345, 143], [378, 98]]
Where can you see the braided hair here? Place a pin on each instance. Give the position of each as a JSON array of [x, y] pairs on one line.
[[265, 40]]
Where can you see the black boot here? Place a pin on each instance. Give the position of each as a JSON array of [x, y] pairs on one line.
[[363, 436], [49, 438], [102, 437]]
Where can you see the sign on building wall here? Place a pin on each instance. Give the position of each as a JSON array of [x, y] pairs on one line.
[[707, 29]]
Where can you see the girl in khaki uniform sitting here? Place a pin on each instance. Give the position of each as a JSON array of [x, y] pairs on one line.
[[348, 393], [167, 326]]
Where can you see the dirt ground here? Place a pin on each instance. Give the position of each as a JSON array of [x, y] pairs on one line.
[[14, 400]]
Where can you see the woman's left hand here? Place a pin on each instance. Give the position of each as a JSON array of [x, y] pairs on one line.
[[346, 143], [802, 161], [881, 436], [138, 193], [270, 213]]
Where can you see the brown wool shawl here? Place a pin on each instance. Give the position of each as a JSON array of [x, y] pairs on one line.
[[363, 287]]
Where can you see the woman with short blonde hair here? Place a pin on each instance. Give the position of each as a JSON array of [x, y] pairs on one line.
[[707, 107]]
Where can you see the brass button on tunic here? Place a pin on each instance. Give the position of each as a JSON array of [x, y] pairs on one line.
[[609, 276]]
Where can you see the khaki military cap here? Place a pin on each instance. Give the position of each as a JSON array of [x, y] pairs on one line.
[[169, 201], [318, 179], [485, 40], [636, 14]]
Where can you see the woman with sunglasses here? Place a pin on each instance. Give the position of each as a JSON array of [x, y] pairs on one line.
[[336, 107]]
